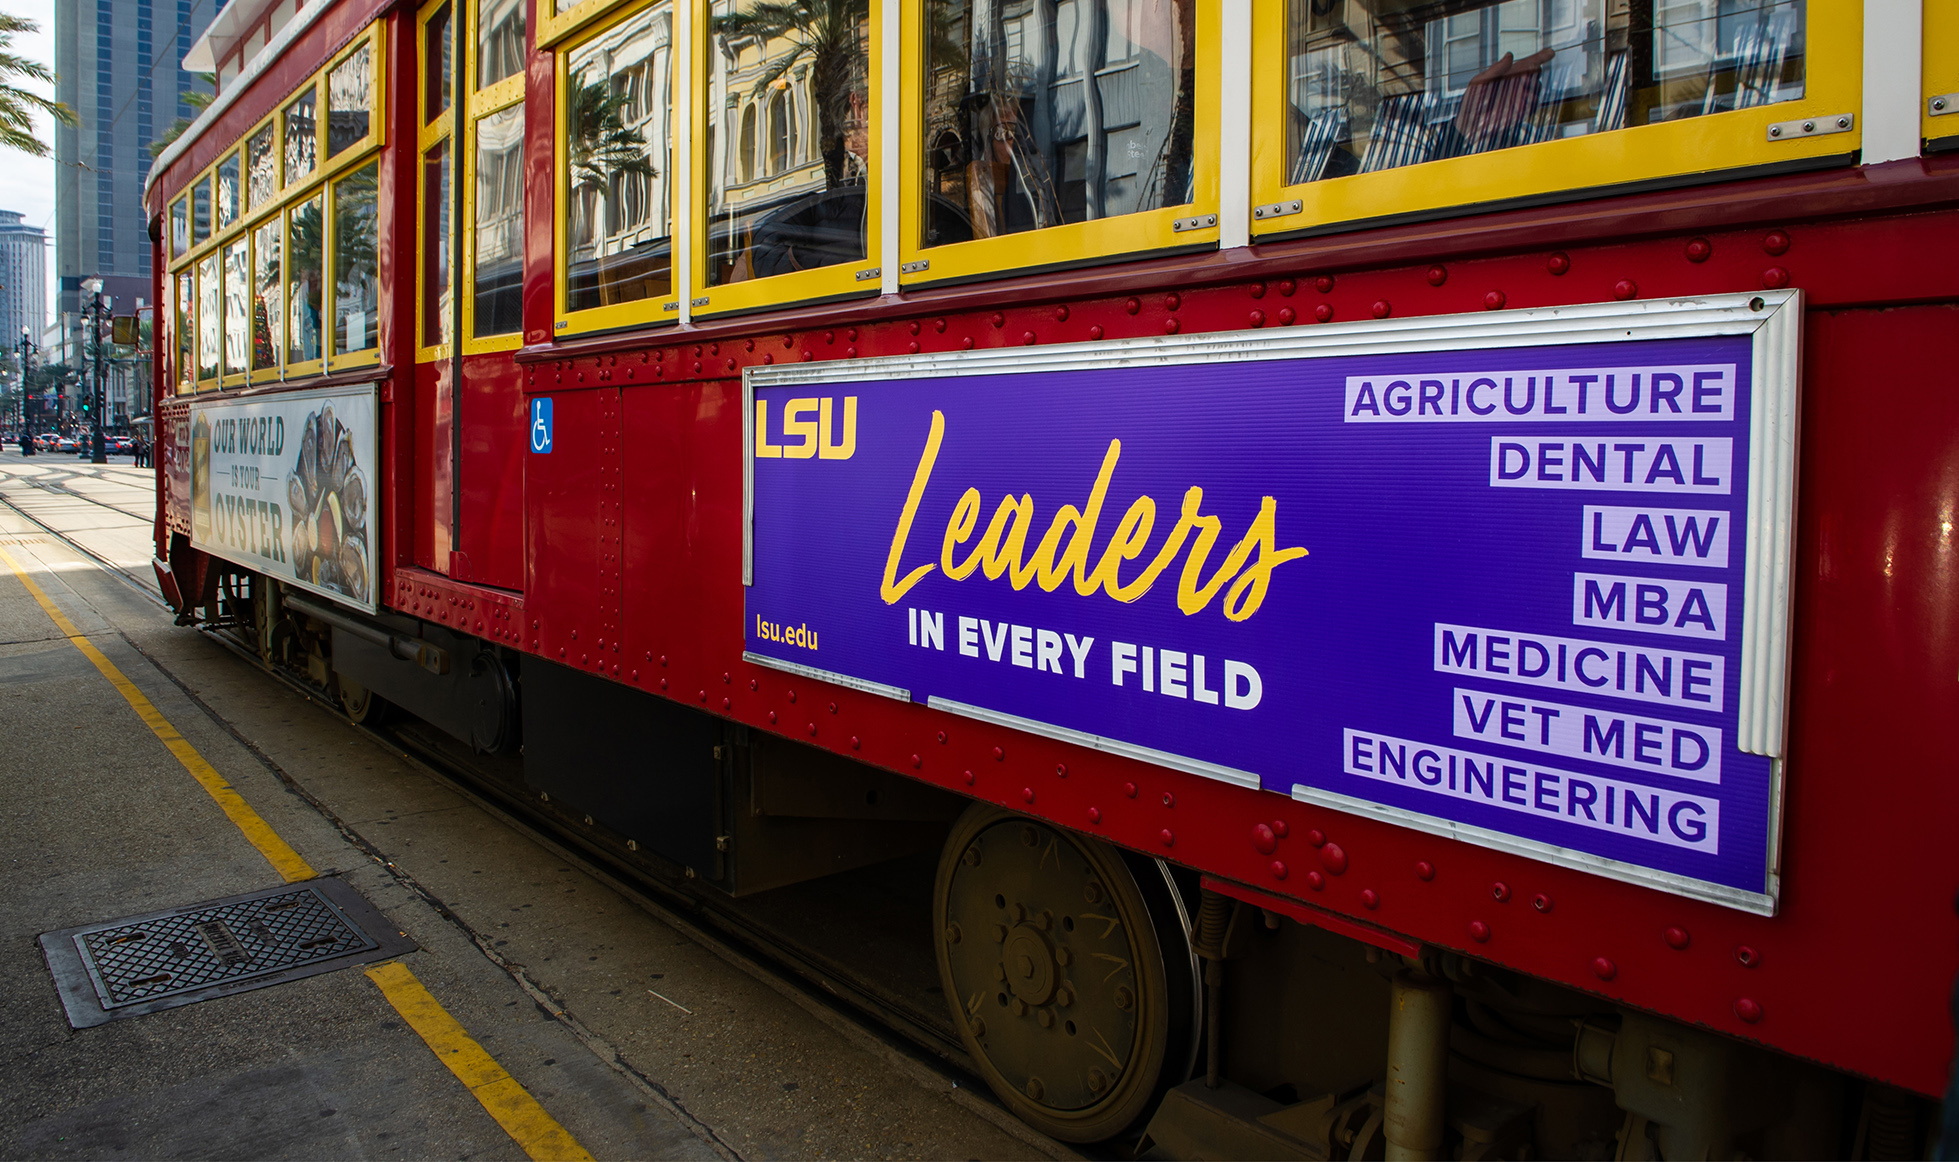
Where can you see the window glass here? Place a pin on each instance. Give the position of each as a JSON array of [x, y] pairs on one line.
[[261, 168], [438, 65], [210, 316], [1378, 84], [200, 212], [238, 307], [227, 191], [350, 97], [1044, 113], [268, 296], [355, 299], [179, 226], [772, 210], [186, 336], [301, 136], [437, 241], [618, 244], [498, 308], [304, 279], [499, 40]]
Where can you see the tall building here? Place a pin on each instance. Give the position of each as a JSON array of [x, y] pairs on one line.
[[23, 279], [120, 64]]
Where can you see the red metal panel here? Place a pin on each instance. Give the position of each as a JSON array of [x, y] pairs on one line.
[[490, 536], [540, 190], [490, 613], [572, 528], [432, 466]]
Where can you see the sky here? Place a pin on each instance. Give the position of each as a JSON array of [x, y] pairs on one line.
[[27, 183]]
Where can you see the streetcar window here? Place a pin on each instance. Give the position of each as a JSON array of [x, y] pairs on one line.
[[438, 68], [301, 132], [304, 252], [350, 99], [185, 335], [200, 212], [799, 78], [268, 297], [618, 232], [1378, 84], [1039, 113], [436, 244], [210, 317], [355, 291], [261, 168], [499, 40], [499, 255], [237, 307], [227, 192], [179, 226]]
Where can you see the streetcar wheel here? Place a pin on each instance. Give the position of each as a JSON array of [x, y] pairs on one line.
[[1051, 961], [363, 706]]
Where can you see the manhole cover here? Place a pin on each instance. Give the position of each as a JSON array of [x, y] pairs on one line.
[[144, 963]]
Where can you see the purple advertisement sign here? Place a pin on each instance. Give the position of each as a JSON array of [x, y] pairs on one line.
[[1495, 587]]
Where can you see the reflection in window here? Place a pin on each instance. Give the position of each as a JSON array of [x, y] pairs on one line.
[[227, 191], [268, 291], [304, 235], [1379, 84], [350, 99], [796, 71], [200, 212], [438, 65], [210, 316], [499, 40], [437, 240], [1045, 112], [179, 226], [237, 307], [261, 169], [499, 254], [301, 136], [355, 292], [617, 233], [186, 336]]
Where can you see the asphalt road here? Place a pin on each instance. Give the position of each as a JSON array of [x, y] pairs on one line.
[[640, 1038]]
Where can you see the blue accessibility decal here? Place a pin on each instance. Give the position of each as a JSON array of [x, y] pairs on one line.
[[541, 424]]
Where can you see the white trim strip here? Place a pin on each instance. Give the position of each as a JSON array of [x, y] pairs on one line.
[[1894, 35], [1235, 130], [890, 161], [878, 688], [1766, 607]]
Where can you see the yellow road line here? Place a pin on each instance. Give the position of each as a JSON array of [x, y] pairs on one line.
[[257, 831], [500, 1094], [508, 1102]]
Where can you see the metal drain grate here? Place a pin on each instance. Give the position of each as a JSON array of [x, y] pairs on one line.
[[145, 963]]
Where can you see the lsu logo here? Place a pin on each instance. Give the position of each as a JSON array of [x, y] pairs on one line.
[[809, 430]]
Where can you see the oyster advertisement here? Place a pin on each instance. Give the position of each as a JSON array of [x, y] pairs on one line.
[[284, 484]]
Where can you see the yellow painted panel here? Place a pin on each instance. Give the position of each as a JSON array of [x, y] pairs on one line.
[[1941, 68]]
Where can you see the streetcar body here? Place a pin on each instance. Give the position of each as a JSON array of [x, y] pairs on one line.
[[557, 445]]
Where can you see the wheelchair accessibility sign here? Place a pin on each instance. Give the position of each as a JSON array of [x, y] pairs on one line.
[[541, 424]]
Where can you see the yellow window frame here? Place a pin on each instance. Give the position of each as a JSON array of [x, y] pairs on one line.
[[289, 182], [278, 164], [428, 132], [554, 27], [1941, 71], [843, 280], [213, 381], [305, 367], [228, 378], [183, 297], [180, 202], [235, 153], [367, 356], [356, 151], [1078, 243], [484, 103], [1709, 144], [277, 218], [640, 312]]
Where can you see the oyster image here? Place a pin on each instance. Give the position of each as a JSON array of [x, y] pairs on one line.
[[327, 497]]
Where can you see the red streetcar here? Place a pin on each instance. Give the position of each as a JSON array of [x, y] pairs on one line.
[[1402, 553]]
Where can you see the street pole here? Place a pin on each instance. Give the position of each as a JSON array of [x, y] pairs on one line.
[[98, 454], [26, 403]]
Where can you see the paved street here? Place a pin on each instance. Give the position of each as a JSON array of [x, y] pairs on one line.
[[636, 1037]]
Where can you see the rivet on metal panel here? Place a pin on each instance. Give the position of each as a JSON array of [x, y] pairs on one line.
[[754, 684], [1558, 263], [1748, 1009], [1776, 242], [1279, 828], [1479, 932], [856, 743], [663, 659], [1324, 284], [1438, 274], [913, 345], [1257, 318], [830, 337], [1370, 899], [1279, 869], [1286, 287], [1494, 301], [663, 684], [916, 762], [1315, 880], [1747, 956], [1027, 338], [966, 343], [635, 675], [1333, 858], [1624, 289], [999, 754], [999, 319], [697, 367], [809, 356], [1424, 870], [731, 364], [1775, 278], [703, 696], [1171, 326], [914, 326], [561, 651], [833, 707], [726, 703], [1676, 937], [1095, 331], [1169, 800], [1027, 794], [942, 738], [939, 324], [850, 352], [1172, 301], [714, 348], [1061, 313], [1699, 250], [1095, 815], [769, 357], [1541, 902], [968, 777], [1061, 770], [812, 730], [1323, 313], [1132, 305], [584, 659], [1263, 840], [1129, 789], [1382, 308], [1604, 969], [1500, 892], [1168, 837], [792, 693], [1316, 837], [1256, 290]]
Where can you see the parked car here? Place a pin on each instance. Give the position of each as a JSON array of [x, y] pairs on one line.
[[64, 443]]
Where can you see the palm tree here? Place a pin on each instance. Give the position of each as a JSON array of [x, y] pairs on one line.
[[602, 144], [18, 105], [196, 100], [828, 35]]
